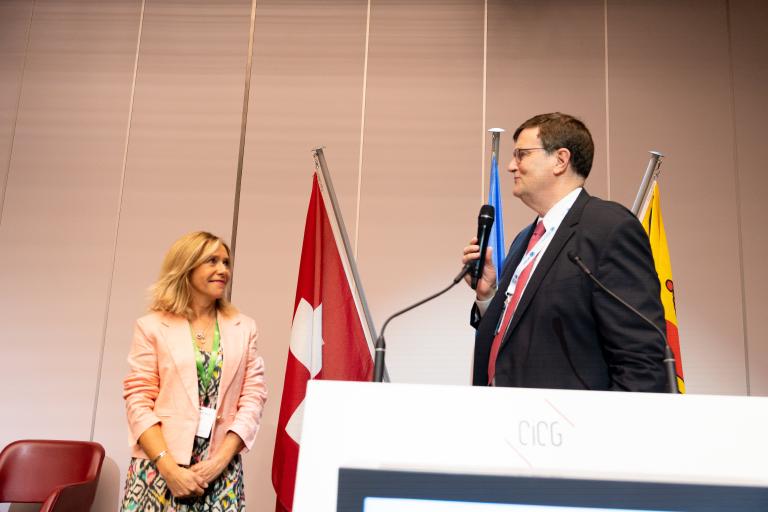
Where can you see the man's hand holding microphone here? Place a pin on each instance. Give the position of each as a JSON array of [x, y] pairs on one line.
[[482, 273]]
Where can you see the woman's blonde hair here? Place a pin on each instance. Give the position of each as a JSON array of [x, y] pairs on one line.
[[172, 291]]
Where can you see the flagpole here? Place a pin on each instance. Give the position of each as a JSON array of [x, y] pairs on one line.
[[643, 195], [651, 173], [327, 184], [494, 199]]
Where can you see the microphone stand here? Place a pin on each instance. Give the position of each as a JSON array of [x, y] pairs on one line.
[[380, 347], [669, 357]]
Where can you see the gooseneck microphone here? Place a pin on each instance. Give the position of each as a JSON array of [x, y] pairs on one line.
[[669, 358], [474, 268], [484, 225], [381, 347]]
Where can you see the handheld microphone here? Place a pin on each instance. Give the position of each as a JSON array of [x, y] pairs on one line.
[[669, 358], [484, 225]]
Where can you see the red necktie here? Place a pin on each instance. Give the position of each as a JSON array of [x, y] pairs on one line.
[[538, 232]]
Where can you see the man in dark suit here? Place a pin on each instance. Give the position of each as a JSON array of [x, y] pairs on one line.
[[547, 325]]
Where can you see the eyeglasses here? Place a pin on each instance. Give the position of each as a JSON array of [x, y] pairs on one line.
[[519, 153]]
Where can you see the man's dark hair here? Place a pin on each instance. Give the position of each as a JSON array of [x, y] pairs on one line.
[[558, 130]]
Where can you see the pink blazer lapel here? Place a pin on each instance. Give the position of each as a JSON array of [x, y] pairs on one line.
[[183, 353], [233, 345]]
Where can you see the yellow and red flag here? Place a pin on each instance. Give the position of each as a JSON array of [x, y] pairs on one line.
[[654, 227]]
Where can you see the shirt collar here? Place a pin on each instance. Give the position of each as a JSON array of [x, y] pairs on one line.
[[557, 213]]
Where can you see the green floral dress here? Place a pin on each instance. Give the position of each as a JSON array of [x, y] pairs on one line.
[[146, 490]]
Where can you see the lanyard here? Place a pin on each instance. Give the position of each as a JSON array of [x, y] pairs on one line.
[[529, 257], [205, 374]]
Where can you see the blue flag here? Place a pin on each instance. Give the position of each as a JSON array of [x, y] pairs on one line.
[[497, 232]]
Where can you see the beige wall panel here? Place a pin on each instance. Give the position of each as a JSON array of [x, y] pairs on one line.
[[306, 91], [59, 215], [180, 175], [750, 75], [15, 20], [421, 177], [545, 57], [669, 84]]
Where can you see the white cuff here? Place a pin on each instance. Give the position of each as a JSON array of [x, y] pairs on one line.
[[482, 305]]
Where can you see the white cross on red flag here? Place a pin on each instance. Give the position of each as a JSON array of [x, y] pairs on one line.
[[327, 338]]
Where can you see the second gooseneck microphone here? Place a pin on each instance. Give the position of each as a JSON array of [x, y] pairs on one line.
[[669, 357], [484, 225]]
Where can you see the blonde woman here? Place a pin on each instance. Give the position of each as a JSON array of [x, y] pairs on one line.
[[195, 390]]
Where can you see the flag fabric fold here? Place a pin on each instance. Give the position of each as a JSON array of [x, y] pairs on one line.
[[653, 224], [496, 240], [328, 340]]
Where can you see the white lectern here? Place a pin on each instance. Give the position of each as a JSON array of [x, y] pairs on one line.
[[697, 439]]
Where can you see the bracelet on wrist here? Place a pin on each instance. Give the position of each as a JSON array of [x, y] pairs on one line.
[[159, 456]]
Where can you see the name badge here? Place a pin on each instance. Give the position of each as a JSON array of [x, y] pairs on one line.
[[207, 419]]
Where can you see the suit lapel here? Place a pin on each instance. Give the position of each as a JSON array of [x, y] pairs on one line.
[[182, 352], [232, 345], [562, 235]]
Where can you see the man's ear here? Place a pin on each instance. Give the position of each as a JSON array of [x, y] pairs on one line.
[[563, 156]]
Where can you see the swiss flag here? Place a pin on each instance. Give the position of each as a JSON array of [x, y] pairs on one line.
[[327, 338]]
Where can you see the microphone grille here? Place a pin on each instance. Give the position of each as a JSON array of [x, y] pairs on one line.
[[488, 211]]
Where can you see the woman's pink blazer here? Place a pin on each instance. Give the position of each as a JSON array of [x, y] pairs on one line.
[[161, 386]]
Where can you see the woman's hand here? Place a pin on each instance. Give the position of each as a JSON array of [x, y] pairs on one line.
[[210, 469], [183, 482]]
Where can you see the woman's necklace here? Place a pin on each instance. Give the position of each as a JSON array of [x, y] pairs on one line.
[[201, 335]]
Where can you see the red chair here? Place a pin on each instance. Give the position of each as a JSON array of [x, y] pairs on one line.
[[62, 475]]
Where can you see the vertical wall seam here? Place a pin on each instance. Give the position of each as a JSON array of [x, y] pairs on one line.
[[362, 128], [739, 226], [16, 114], [117, 221], [485, 89], [607, 101], [241, 147]]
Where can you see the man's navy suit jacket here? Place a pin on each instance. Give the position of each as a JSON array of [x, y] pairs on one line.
[[567, 333]]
